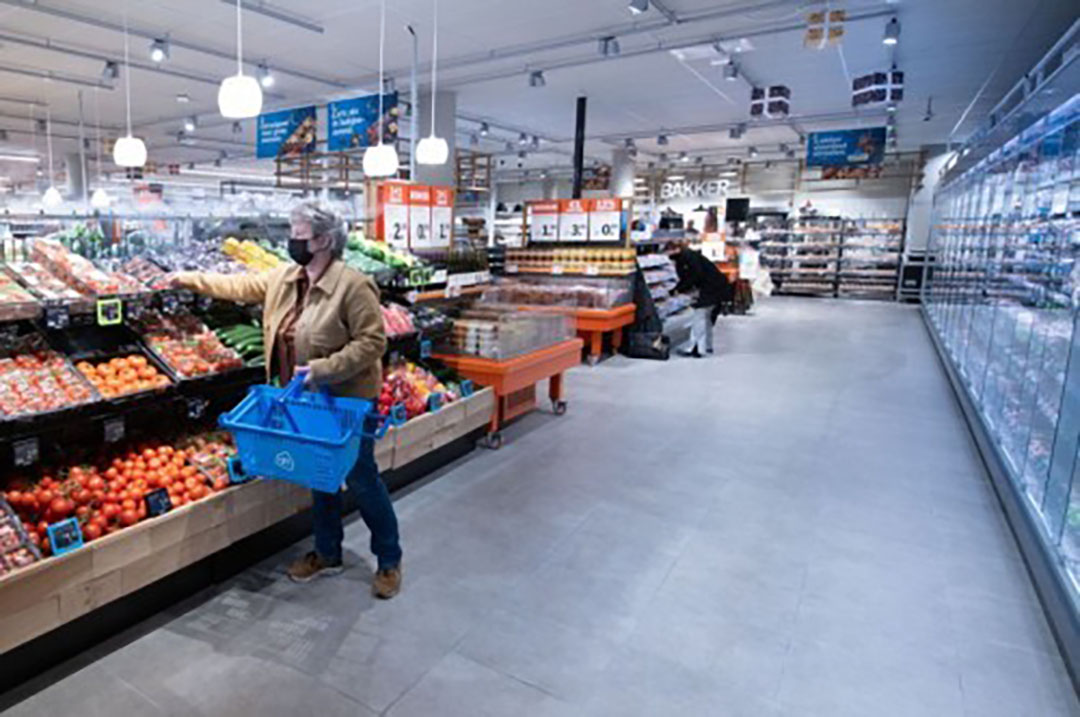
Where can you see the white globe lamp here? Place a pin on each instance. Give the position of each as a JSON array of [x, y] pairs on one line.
[[129, 152], [381, 161], [52, 198], [432, 150], [100, 199], [240, 97]]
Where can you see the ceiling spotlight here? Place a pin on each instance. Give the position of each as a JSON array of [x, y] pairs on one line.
[[892, 32], [891, 121], [266, 78], [543, 175], [890, 108], [752, 152], [159, 50], [629, 143], [535, 143], [609, 46], [662, 140], [509, 146], [536, 78], [183, 98], [522, 154], [474, 139], [636, 7], [190, 123], [217, 162], [389, 87], [111, 70], [237, 128], [484, 129], [684, 157], [790, 154], [737, 131], [699, 160], [731, 71], [3, 135], [783, 148], [523, 139]]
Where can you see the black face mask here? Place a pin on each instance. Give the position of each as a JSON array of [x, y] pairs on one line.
[[300, 252]]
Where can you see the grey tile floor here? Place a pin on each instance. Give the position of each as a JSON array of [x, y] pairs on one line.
[[798, 526]]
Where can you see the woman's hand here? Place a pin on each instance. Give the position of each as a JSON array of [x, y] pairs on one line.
[[304, 372]]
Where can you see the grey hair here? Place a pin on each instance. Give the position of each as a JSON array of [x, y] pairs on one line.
[[324, 222]]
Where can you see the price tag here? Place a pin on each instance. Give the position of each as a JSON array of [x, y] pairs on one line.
[[57, 317], [158, 502], [196, 407], [170, 303], [574, 220], [425, 348], [110, 312], [398, 415], [236, 471], [483, 277], [605, 220], [442, 216], [543, 221], [186, 296], [65, 536], [439, 277], [133, 309], [592, 270], [26, 452], [434, 402], [466, 388], [203, 303], [114, 429], [511, 269], [556, 269], [453, 291]]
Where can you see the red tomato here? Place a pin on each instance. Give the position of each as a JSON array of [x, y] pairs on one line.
[[97, 483], [110, 511], [91, 531], [221, 484], [83, 496], [61, 506], [128, 504], [112, 474], [15, 498], [43, 528], [83, 511], [129, 518], [198, 492], [45, 497], [190, 484]]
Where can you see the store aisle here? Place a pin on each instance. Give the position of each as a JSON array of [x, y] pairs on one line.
[[799, 526]]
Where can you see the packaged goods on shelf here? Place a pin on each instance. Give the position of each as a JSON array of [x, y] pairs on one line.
[[397, 321], [210, 453], [430, 320], [411, 386], [36, 379], [502, 333], [186, 345], [613, 261], [80, 273], [16, 548], [15, 301], [578, 292]]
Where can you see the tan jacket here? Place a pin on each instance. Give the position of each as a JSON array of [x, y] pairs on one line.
[[340, 333]]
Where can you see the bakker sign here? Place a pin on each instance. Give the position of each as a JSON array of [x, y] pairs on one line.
[[691, 189]]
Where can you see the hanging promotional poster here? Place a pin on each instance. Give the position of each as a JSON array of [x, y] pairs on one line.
[[354, 122], [848, 153], [287, 133]]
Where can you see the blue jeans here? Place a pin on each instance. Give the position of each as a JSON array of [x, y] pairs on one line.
[[375, 508]]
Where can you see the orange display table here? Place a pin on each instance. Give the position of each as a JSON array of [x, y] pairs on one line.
[[514, 380]]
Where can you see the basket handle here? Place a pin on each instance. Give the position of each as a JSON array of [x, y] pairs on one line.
[[380, 430], [278, 403]]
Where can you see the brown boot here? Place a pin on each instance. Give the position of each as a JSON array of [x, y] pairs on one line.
[[313, 566], [387, 583]]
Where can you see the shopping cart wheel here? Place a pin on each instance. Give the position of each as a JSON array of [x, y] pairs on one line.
[[494, 440], [559, 407]]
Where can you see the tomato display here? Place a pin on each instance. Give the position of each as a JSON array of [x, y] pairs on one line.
[[410, 385], [186, 344], [123, 375], [36, 379], [108, 495]]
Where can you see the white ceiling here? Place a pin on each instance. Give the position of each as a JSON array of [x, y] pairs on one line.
[[949, 49]]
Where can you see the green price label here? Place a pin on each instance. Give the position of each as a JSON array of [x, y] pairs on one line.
[[110, 312]]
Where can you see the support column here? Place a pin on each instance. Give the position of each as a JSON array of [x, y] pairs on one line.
[[622, 173], [579, 147], [445, 127]]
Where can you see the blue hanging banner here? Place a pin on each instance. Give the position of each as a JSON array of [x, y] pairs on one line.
[[286, 133], [846, 147], [354, 122]]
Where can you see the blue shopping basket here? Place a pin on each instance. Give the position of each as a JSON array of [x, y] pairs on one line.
[[305, 437]]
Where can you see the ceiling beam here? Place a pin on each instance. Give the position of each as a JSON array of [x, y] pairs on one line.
[[73, 51], [47, 8], [53, 76], [276, 13]]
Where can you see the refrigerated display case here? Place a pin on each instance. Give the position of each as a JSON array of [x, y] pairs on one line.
[[1002, 304]]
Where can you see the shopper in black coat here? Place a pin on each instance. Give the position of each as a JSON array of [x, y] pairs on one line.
[[698, 273]]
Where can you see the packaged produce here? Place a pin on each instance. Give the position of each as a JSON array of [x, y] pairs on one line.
[[15, 301], [36, 379], [411, 386], [122, 375], [430, 320], [196, 256], [210, 453], [80, 273], [186, 344], [397, 321], [42, 283], [16, 549], [148, 272]]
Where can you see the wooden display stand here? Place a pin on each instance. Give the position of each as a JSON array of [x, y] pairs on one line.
[[514, 380]]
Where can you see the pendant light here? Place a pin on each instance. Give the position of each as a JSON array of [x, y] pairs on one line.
[[432, 149], [51, 198], [100, 198], [240, 96], [129, 151], [382, 159]]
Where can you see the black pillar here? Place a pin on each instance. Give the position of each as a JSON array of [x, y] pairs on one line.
[[579, 147]]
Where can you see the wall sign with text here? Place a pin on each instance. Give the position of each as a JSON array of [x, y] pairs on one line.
[[288, 133]]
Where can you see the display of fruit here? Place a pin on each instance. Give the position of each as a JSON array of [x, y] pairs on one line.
[[15, 301], [36, 379], [197, 256], [107, 496], [246, 340], [16, 548], [148, 272], [411, 386], [397, 321], [380, 252], [123, 375], [186, 344], [430, 320], [42, 283], [210, 452], [255, 257], [80, 273]]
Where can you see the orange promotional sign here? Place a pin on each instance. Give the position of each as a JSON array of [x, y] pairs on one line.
[[442, 217], [574, 220]]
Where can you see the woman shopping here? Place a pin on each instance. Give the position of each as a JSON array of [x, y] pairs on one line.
[[322, 321]]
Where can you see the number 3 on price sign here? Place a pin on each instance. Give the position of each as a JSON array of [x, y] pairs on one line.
[[574, 220]]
